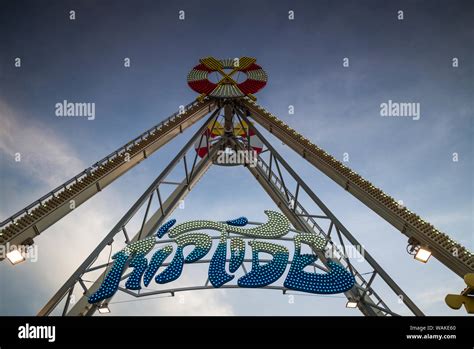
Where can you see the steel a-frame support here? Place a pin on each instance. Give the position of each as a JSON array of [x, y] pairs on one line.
[[191, 175], [368, 301]]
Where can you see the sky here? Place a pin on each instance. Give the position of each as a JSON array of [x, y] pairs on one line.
[[337, 107]]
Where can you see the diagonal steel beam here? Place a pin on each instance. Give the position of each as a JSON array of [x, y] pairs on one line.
[[151, 223], [280, 199], [82, 307], [384, 275]]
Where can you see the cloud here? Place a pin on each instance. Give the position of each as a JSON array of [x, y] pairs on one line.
[[190, 303], [48, 158], [432, 299], [45, 156]]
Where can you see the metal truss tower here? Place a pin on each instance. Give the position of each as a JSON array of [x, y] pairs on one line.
[[230, 128]]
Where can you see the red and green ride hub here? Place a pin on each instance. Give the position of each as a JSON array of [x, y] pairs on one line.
[[227, 87]]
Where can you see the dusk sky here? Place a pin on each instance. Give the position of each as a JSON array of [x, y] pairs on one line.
[[336, 107]]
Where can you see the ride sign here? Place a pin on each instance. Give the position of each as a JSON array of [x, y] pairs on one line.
[[336, 280]]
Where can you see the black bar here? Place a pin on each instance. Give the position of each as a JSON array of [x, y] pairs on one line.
[[338, 332]]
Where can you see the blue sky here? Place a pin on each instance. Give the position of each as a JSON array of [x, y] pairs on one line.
[[336, 107]]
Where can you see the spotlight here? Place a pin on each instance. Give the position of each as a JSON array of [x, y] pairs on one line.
[[420, 253], [351, 303], [15, 257], [104, 308], [423, 254]]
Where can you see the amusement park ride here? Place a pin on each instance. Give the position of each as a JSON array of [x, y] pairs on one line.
[[230, 130]]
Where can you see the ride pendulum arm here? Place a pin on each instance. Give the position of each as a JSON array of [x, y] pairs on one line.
[[452, 254], [149, 226], [35, 218]]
